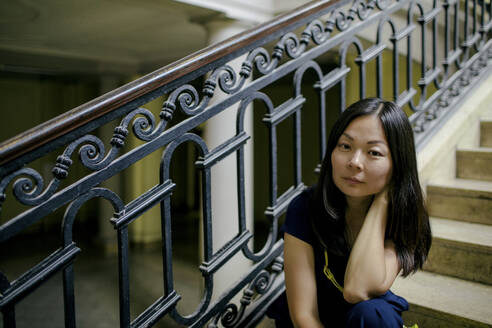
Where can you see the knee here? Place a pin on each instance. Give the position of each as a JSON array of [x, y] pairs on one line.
[[365, 314], [373, 313]]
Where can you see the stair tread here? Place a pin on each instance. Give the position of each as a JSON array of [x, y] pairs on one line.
[[476, 150], [445, 294], [459, 186], [460, 231]]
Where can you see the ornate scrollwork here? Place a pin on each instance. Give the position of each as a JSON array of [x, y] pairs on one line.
[[365, 8], [475, 68], [464, 80], [143, 126], [28, 188], [227, 79], [231, 315], [91, 153], [343, 21], [188, 99], [444, 99], [317, 32], [260, 285], [483, 60], [420, 123], [262, 60], [432, 112], [455, 88], [469, 71], [359, 8], [293, 47]]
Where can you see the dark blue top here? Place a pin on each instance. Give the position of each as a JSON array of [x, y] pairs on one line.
[[332, 307]]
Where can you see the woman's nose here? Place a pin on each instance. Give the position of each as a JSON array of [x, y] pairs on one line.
[[355, 160]]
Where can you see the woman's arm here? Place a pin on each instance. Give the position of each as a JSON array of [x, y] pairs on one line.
[[373, 264], [300, 282]]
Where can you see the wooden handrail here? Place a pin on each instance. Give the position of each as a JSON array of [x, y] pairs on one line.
[[90, 111]]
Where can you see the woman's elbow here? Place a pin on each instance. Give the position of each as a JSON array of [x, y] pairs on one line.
[[297, 320], [354, 296], [304, 320]]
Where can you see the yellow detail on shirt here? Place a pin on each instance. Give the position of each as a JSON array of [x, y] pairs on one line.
[[330, 275]]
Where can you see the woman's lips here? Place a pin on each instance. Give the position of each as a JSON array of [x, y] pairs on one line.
[[352, 180]]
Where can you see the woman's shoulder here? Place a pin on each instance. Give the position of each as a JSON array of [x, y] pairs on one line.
[[301, 201], [297, 221]]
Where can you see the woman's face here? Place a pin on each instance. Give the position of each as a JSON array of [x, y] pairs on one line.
[[361, 160]]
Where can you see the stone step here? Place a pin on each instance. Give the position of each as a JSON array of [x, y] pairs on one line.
[[461, 249], [441, 301], [461, 199], [474, 163], [486, 132], [266, 322]]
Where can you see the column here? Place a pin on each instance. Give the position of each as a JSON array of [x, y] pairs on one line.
[[223, 176]]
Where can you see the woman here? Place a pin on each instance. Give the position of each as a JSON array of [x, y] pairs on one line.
[[347, 238]]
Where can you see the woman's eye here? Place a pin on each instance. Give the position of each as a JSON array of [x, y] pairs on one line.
[[375, 153], [344, 146]]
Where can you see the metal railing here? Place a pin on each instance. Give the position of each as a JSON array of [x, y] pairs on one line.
[[457, 32]]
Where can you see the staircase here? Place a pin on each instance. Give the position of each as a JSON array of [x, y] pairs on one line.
[[455, 288]]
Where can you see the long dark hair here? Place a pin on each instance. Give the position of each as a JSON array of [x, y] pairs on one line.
[[408, 222]]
